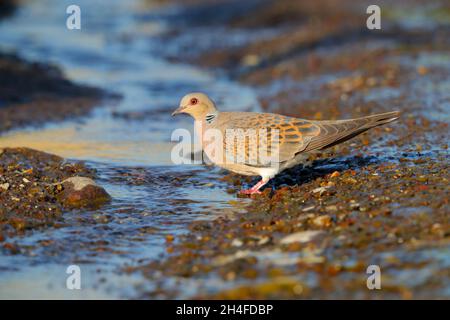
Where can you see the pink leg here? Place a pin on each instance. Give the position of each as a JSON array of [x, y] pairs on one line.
[[255, 188]]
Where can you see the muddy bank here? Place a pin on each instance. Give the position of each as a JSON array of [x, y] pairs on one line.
[[266, 40], [34, 191], [34, 93], [381, 198], [315, 239], [7, 7], [31, 192]]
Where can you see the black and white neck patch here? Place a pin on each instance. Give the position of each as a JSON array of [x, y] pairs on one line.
[[210, 117]]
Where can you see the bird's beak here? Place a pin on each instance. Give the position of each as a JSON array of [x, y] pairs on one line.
[[179, 110]]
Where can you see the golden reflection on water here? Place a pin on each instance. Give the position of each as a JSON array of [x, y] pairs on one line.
[[68, 143]]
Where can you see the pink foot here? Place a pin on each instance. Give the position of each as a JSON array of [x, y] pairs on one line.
[[255, 188], [249, 191]]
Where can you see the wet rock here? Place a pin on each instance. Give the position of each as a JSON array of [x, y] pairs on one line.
[[81, 192], [302, 236]]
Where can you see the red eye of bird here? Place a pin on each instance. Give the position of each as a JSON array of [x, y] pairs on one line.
[[194, 101]]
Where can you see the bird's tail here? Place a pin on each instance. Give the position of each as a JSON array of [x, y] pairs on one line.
[[335, 132], [380, 119]]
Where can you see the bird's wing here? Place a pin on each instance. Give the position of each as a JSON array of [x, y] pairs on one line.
[[288, 136], [276, 137]]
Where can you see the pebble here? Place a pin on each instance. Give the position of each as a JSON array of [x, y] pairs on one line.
[[354, 204], [263, 240], [422, 70], [322, 221], [4, 186], [331, 208], [302, 236], [335, 174], [321, 190], [351, 180], [237, 243], [250, 60]]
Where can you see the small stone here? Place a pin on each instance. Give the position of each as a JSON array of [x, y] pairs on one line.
[[422, 70], [437, 229], [263, 240], [301, 237], [25, 180], [250, 60], [322, 221], [79, 192], [320, 190], [236, 243], [4, 186], [335, 174], [354, 204], [29, 171], [331, 208]]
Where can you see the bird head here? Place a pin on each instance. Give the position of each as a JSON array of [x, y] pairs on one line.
[[197, 105]]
